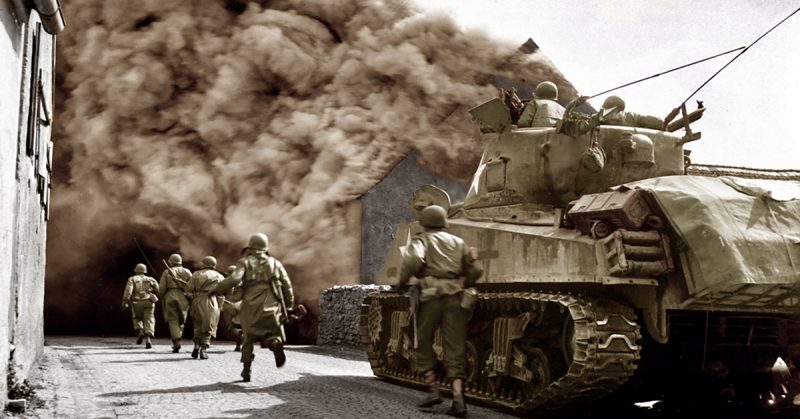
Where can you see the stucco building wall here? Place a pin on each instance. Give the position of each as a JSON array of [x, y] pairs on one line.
[[26, 115]]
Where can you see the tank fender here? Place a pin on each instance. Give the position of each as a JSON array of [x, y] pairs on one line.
[[650, 301]]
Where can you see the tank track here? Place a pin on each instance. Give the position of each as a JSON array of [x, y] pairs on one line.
[[604, 347]]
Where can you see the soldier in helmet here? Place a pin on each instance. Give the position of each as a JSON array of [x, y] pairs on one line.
[[542, 110], [444, 266], [140, 297], [204, 307], [266, 296], [171, 288], [614, 107], [231, 307]]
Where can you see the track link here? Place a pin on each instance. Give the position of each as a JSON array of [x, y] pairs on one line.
[[604, 350]]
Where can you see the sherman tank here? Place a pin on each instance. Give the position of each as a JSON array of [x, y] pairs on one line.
[[604, 262]]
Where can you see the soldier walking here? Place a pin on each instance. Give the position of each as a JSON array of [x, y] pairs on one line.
[[140, 297], [444, 266], [230, 309], [171, 288], [204, 307], [266, 295]]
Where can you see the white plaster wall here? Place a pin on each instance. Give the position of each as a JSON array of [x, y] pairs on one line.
[[10, 66]]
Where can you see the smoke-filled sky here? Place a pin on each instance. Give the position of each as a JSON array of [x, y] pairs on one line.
[[191, 125], [601, 44]]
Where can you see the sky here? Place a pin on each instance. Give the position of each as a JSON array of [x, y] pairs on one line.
[[752, 105]]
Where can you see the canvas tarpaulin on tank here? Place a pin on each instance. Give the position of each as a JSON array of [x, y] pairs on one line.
[[733, 230]]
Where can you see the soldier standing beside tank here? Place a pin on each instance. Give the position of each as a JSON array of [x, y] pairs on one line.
[[140, 297], [542, 110], [171, 288], [266, 296], [204, 307], [231, 307], [445, 266]]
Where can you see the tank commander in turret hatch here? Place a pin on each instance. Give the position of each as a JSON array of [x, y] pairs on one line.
[[542, 110], [445, 267]]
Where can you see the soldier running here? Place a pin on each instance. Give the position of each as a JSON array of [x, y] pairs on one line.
[[204, 307], [140, 297], [445, 266], [171, 288], [266, 295]]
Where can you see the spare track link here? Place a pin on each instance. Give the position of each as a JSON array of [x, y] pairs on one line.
[[605, 348]]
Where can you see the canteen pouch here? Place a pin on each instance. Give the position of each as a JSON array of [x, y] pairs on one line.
[[468, 298]]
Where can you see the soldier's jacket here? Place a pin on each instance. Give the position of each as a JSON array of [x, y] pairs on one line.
[[139, 288], [541, 113], [262, 278], [204, 307], [442, 262], [633, 119], [168, 283]]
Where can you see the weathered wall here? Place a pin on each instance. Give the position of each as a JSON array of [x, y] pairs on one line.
[[387, 204], [9, 115], [26, 111]]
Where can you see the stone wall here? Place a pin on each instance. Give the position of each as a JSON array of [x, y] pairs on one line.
[[340, 308]]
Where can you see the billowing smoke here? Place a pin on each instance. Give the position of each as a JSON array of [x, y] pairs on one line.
[[191, 125]]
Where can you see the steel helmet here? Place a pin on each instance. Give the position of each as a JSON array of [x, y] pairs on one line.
[[614, 102], [230, 270], [140, 268], [258, 241], [546, 90], [433, 216], [175, 259], [209, 262]]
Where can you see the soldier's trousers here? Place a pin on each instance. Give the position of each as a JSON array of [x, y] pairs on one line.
[[443, 313], [249, 341], [175, 310], [143, 317]]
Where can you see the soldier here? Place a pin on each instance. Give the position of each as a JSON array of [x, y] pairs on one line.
[[204, 307], [542, 110], [445, 266], [140, 297], [230, 307], [171, 288], [617, 115], [266, 296]]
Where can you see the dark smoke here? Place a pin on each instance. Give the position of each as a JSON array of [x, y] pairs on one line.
[[191, 125]]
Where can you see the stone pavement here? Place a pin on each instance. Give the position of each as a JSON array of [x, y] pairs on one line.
[[87, 377]]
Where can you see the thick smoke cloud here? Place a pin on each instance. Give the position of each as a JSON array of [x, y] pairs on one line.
[[191, 125]]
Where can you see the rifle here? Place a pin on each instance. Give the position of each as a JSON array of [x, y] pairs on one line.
[[413, 307], [144, 255], [175, 276], [278, 290]]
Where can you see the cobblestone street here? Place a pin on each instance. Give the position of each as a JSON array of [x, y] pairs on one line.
[[85, 377]]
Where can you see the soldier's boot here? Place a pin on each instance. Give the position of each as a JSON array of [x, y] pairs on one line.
[[238, 338], [435, 396], [147, 344], [195, 351], [459, 407], [203, 352], [276, 346], [246, 371], [140, 338], [176, 345]]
